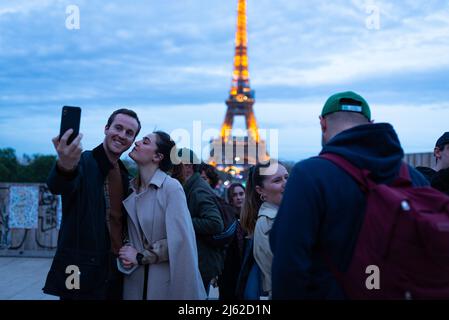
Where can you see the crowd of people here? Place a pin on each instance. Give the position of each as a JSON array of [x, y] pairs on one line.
[[167, 234]]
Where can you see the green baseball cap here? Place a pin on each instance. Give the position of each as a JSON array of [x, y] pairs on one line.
[[346, 101]]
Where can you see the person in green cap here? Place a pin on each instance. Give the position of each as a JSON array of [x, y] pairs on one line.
[[323, 207], [205, 213], [343, 111]]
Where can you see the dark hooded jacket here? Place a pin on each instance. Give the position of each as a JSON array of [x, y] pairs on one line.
[[428, 173], [323, 209]]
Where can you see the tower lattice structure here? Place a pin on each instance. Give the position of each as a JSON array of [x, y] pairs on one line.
[[239, 151], [241, 98]]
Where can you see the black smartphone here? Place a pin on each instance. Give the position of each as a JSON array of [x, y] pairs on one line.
[[70, 119]]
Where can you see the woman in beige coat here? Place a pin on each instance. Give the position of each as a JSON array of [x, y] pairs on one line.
[[162, 246], [263, 196]]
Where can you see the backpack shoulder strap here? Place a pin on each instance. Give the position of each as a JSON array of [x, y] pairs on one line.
[[359, 175], [404, 172], [362, 176]]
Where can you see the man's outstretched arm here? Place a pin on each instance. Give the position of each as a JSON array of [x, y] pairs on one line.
[[64, 176]]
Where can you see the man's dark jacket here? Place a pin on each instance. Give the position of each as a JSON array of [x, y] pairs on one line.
[[207, 220], [438, 179], [323, 209], [83, 238], [428, 173]]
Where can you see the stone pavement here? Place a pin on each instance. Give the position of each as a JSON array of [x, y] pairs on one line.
[[23, 278]]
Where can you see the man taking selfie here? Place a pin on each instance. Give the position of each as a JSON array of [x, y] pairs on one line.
[[93, 185]]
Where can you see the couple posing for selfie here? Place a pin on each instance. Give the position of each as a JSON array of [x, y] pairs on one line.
[[129, 239]]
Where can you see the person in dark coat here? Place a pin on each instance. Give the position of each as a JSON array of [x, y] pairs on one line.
[[227, 282], [438, 176], [323, 207], [93, 185], [206, 216]]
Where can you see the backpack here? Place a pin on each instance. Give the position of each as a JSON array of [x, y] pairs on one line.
[[229, 216], [249, 282], [404, 239]]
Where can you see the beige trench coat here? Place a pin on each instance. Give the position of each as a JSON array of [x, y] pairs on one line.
[[261, 250], [161, 212]]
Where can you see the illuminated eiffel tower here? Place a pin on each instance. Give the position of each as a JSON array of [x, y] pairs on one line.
[[239, 152]]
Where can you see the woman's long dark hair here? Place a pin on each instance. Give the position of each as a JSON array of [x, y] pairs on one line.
[[252, 202], [164, 146]]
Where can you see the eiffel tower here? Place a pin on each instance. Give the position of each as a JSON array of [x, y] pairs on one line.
[[238, 153]]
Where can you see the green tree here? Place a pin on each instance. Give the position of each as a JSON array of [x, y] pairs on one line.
[[37, 168], [9, 166], [33, 169]]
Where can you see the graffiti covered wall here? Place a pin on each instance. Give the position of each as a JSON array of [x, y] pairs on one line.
[[29, 217]]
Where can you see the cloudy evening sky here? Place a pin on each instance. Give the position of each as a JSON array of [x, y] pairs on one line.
[[171, 61]]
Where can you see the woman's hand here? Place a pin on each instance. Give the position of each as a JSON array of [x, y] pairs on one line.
[[128, 255], [127, 264]]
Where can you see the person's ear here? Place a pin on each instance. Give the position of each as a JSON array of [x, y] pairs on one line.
[[323, 124], [159, 157], [437, 153], [106, 128], [259, 190]]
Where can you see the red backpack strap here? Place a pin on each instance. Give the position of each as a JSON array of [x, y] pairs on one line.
[[404, 172], [362, 176], [359, 175], [403, 179]]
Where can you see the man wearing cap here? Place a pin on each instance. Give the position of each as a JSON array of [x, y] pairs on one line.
[[438, 176], [206, 216], [323, 207]]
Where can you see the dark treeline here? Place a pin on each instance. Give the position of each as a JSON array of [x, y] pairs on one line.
[[36, 168], [33, 168]]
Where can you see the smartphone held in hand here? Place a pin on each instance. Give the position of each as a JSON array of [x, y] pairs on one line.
[[70, 119]]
